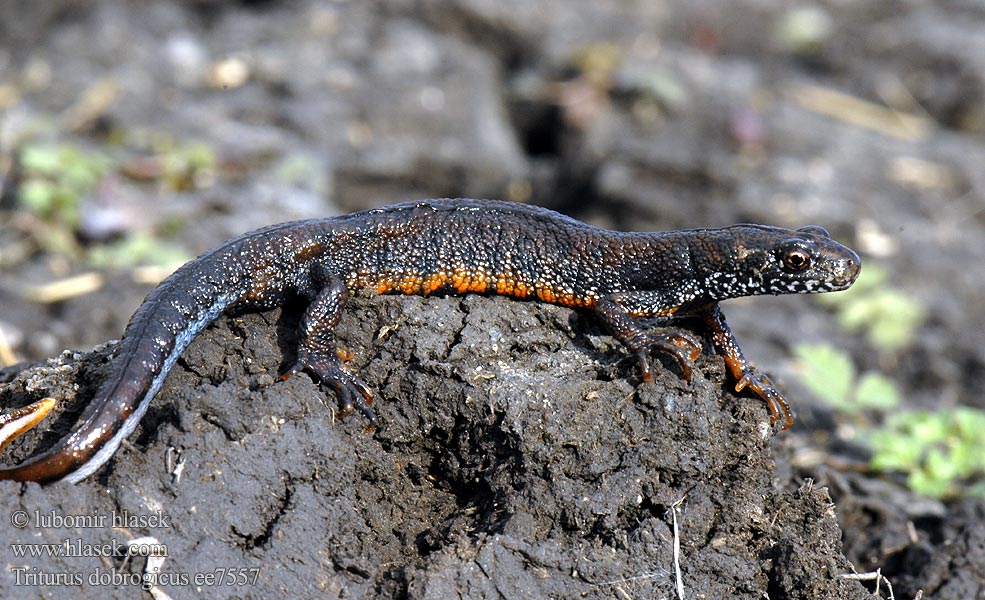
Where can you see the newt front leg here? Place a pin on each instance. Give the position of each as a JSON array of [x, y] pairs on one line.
[[746, 376], [618, 310]]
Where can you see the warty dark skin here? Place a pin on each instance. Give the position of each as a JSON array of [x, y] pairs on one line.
[[453, 247]]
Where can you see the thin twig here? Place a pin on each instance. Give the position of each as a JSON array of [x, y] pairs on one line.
[[65, 289], [878, 577], [861, 113], [677, 549]]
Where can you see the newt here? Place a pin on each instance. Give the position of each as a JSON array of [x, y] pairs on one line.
[[452, 246]]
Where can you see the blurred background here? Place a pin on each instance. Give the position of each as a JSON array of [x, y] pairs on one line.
[[135, 135]]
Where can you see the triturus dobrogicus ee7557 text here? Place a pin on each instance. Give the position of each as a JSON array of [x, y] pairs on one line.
[[451, 246]]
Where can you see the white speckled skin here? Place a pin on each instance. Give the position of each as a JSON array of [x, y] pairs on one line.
[[449, 246]]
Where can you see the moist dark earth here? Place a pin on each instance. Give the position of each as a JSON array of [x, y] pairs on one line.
[[518, 453], [515, 457]]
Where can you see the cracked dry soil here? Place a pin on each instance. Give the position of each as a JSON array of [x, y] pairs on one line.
[[517, 456]]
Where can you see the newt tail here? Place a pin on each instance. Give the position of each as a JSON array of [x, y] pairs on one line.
[[453, 247]]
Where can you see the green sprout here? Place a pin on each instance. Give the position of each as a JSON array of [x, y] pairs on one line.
[[830, 374], [888, 316], [57, 177], [189, 165], [136, 249], [940, 452]]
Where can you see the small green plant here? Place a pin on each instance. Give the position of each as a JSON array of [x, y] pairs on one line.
[[830, 374], [189, 165], [177, 165], [136, 249], [941, 452], [57, 177], [888, 316]]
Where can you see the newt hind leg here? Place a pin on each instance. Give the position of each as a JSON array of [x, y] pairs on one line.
[[317, 351]]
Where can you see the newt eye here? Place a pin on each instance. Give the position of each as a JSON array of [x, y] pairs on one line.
[[796, 259]]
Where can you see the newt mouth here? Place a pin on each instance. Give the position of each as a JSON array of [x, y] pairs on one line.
[[847, 271]]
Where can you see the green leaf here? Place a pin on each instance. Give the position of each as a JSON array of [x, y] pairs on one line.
[[136, 249], [38, 196], [876, 391], [939, 450], [41, 160], [828, 373], [929, 484], [897, 318], [894, 452], [889, 317]]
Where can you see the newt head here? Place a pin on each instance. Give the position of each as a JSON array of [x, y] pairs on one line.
[[810, 261], [774, 260]]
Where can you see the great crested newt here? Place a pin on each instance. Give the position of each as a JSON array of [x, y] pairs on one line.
[[452, 247]]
